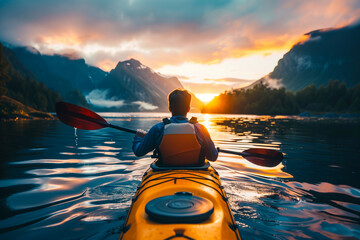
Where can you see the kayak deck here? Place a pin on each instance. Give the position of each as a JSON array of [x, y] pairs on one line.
[[201, 183]]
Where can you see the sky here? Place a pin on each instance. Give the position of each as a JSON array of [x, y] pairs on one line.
[[211, 46]]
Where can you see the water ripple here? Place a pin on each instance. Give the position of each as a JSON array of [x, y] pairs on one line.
[[80, 187]]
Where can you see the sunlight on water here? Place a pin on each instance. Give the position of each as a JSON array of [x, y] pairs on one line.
[[240, 164], [82, 189], [206, 121]]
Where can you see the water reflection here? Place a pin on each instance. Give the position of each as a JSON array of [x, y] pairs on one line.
[[82, 189], [241, 165]]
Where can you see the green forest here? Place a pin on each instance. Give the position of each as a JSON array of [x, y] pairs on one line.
[[335, 98], [24, 88]]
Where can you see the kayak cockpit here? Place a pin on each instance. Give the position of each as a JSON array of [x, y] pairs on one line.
[[156, 167], [179, 189]]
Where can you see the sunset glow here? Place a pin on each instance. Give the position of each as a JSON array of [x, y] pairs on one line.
[[214, 47], [205, 97]]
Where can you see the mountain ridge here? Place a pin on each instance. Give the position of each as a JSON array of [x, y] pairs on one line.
[[130, 86], [144, 88], [326, 54], [18, 83]]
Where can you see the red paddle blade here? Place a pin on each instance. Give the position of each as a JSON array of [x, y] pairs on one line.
[[79, 117], [263, 157]]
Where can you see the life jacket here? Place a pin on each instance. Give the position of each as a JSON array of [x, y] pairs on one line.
[[179, 145]]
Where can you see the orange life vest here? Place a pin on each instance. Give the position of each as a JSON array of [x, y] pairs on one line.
[[179, 145]]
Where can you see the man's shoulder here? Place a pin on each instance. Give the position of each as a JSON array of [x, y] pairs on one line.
[[199, 127], [158, 126]]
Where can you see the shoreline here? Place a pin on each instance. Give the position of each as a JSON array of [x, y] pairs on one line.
[[13, 110], [15, 119]]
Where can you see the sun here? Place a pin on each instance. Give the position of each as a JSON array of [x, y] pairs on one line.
[[206, 97]]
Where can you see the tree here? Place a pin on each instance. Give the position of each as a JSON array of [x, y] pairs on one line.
[[264, 100], [4, 67]]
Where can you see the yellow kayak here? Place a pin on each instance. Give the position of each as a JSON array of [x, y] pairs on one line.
[[180, 203]]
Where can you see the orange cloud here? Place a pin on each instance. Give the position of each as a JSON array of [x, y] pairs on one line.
[[163, 34], [63, 39], [106, 65]]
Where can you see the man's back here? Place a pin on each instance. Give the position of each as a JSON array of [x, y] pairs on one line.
[[154, 138]]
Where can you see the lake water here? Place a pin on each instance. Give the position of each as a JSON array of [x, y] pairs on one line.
[[56, 183]]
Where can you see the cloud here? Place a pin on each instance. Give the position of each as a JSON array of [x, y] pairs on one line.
[[161, 32], [212, 45], [99, 98], [250, 67], [145, 106], [273, 82]]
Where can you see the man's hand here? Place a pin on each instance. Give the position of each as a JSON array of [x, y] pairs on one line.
[[140, 133]]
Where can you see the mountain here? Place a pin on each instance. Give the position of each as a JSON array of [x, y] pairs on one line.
[[132, 86], [74, 70], [326, 54], [35, 63], [18, 83], [96, 74], [69, 76]]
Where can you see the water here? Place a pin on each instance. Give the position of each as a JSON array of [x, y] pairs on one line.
[[61, 183]]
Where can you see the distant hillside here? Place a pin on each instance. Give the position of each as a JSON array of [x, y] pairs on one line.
[[11, 109], [132, 86], [328, 54], [76, 71], [20, 84], [260, 99], [96, 74], [70, 77], [34, 62]]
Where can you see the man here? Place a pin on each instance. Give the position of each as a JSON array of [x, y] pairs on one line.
[[178, 141]]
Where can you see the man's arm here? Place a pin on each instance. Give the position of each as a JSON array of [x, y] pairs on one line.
[[207, 144], [145, 142]]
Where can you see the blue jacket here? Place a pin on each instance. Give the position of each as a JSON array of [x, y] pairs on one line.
[[143, 145]]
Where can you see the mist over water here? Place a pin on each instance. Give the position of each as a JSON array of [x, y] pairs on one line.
[[99, 98], [58, 183]]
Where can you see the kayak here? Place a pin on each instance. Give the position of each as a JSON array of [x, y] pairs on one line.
[[174, 203], [180, 203]]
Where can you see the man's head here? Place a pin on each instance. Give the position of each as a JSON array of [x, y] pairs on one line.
[[179, 102]]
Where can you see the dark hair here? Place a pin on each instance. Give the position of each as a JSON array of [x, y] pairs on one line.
[[179, 102]]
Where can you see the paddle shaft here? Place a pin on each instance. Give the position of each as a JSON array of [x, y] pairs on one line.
[[86, 119], [106, 124], [121, 128], [228, 151], [243, 154]]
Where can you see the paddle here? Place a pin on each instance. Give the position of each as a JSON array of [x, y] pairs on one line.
[[82, 118], [259, 156]]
